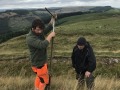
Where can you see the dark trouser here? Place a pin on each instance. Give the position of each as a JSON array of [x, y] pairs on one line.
[[81, 81]]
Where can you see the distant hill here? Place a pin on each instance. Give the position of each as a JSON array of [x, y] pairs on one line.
[[102, 30], [2, 10], [17, 22], [101, 9], [82, 9]]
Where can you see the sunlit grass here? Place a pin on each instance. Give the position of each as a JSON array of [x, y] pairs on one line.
[[62, 82]]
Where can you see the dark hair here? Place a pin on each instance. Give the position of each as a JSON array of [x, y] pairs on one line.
[[39, 23], [81, 41]]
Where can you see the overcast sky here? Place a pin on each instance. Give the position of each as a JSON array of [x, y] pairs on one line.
[[12, 4]]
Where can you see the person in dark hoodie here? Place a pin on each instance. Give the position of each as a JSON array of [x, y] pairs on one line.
[[84, 62]]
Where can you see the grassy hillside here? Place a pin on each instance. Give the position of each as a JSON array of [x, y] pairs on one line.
[[17, 22], [26, 83], [17, 74], [102, 30]]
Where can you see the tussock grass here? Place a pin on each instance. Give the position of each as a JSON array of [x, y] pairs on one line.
[[17, 74], [102, 30], [107, 83], [69, 83], [63, 82], [16, 83]]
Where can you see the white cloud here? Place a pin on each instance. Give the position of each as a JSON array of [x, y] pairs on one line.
[[8, 4]]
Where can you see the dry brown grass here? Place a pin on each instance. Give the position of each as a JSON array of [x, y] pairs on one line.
[[107, 83], [58, 83], [16, 83], [69, 83]]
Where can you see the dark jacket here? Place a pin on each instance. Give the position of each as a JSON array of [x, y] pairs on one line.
[[37, 46], [83, 60]]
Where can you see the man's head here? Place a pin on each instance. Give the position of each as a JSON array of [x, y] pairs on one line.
[[38, 26], [81, 43]]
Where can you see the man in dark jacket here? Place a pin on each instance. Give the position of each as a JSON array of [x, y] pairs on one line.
[[37, 44], [84, 62]]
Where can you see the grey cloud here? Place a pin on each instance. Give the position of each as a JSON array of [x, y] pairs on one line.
[[88, 0], [35, 1], [52, 3]]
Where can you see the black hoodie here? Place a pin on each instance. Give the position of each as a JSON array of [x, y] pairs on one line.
[[83, 60]]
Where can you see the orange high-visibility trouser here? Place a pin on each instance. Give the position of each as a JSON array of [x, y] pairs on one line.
[[42, 77]]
